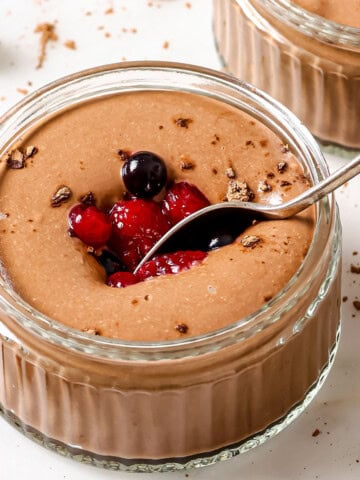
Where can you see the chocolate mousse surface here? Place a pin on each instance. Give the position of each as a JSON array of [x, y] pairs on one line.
[[345, 12], [78, 149]]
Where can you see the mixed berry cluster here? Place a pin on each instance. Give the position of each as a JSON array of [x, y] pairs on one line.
[[130, 229]]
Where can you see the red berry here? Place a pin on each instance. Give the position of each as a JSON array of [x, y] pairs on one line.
[[127, 250], [121, 279], [90, 224], [170, 263], [181, 200], [137, 225]]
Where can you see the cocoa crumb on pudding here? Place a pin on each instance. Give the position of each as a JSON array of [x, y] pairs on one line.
[[17, 158], [282, 167], [284, 183], [61, 195], [123, 154], [230, 173], [182, 328], [88, 199], [355, 269], [249, 143], [239, 191], [91, 331], [186, 164], [270, 175], [183, 122], [250, 241], [264, 186]]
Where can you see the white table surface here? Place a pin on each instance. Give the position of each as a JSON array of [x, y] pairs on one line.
[[186, 26]]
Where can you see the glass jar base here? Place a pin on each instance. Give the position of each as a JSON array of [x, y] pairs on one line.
[[169, 465]]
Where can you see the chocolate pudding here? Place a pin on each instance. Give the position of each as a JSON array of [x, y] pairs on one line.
[[79, 149], [310, 64], [183, 400], [347, 13]]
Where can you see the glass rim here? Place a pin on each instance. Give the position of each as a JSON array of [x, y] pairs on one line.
[[310, 24], [117, 349]]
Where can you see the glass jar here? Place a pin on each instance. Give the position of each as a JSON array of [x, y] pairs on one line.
[[187, 403], [310, 64]]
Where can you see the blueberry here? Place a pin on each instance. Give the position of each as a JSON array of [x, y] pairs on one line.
[[109, 262], [144, 174], [220, 240]]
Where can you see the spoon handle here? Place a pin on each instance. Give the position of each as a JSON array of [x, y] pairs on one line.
[[318, 191]]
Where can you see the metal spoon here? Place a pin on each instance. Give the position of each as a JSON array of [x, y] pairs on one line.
[[195, 231]]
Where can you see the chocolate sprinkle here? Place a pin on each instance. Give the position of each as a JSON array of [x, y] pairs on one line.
[[182, 328], [62, 195], [250, 241]]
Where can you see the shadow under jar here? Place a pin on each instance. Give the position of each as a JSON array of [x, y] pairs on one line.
[[309, 63], [161, 406]]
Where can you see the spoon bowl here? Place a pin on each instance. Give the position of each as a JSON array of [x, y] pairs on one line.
[[196, 231]]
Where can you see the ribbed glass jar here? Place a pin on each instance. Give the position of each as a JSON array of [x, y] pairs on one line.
[[169, 405], [310, 64]]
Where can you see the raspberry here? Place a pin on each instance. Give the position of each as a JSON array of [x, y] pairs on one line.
[[90, 225], [121, 280], [137, 225], [181, 200], [170, 263]]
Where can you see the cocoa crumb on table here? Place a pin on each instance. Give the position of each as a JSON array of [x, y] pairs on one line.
[[345, 299], [23, 91], [316, 433], [47, 31], [70, 44], [355, 269], [356, 304]]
